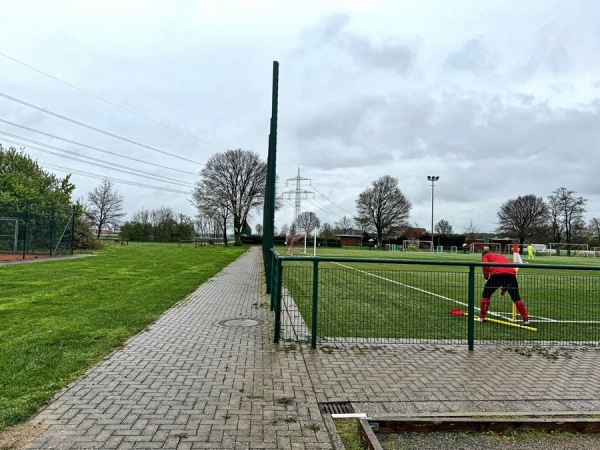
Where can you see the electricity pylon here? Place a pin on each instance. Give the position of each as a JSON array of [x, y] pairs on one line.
[[298, 192]]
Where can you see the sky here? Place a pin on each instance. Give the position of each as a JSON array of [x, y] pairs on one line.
[[499, 99]]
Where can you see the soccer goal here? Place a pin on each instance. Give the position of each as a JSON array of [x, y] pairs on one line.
[[9, 234], [563, 249], [415, 245], [495, 247]]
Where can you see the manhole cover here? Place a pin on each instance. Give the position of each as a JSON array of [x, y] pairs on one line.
[[240, 322]]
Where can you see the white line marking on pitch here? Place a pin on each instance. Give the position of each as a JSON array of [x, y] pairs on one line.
[[538, 318]]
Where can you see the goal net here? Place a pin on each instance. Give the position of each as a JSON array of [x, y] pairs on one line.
[[495, 247], [296, 244], [9, 234], [414, 245], [563, 249]]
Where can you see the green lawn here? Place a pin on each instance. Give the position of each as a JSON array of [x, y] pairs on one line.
[[58, 318], [412, 301]]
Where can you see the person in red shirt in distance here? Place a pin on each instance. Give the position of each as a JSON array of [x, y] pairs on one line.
[[504, 278]]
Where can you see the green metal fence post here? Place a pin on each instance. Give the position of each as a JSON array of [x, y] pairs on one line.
[[25, 229], [471, 308], [277, 269], [269, 213], [315, 301], [52, 218], [273, 277], [72, 228]]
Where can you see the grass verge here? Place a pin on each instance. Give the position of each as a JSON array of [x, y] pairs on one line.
[[60, 317]]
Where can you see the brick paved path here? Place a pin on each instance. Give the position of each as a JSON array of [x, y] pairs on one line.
[[207, 376]]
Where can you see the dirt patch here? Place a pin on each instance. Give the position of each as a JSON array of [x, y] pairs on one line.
[[18, 256], [17, 437]]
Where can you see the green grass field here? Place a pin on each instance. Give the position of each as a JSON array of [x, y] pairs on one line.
[[360, 300], [58, 318]]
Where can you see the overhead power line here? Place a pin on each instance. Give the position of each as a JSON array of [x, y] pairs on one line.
[[107, 133], [326, 198], [109, 102], [97, 162], [116, 180], [95, 148], [322, 207]]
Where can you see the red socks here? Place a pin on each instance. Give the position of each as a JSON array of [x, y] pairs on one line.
[[522, 310], [485, 304]]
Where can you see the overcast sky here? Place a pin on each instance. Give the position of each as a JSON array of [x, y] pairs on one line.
[[497, 98]]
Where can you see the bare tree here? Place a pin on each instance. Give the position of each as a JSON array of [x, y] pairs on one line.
[[218, 219], [344, 225], [594, 228], [443, 227], [382, 206], [326, 231], [285, 229], [259, 229], [142, 216], [233, 180], [307, 221], [203, 225], [523, 217], [471, 231], [567, 212], [106, 206]]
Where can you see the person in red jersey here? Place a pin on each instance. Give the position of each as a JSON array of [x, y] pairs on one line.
[[499, 277]]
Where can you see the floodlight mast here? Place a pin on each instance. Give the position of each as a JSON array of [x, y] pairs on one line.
[[433, 179]]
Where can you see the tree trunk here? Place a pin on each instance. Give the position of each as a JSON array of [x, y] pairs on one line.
[[225, 235], [237, 236]]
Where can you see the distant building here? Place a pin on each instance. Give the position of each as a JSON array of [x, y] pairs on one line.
[[483, 244], [406, 232], [246, 229], [350, 239]]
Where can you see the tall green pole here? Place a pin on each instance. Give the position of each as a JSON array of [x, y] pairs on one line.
[[72, 228], [269, 209]]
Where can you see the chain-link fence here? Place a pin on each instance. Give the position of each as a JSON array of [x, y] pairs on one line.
[[34, 230], [321, 300]]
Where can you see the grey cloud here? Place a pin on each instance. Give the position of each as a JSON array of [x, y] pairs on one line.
[[394, 56], [330, 31], [494, 133], [473, 57], [321, 35], [343, 128], [548, 53]]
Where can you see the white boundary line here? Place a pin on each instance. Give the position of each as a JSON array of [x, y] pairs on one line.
[[502, 315]]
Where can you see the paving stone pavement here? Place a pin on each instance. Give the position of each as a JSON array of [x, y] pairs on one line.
[[206, 375]]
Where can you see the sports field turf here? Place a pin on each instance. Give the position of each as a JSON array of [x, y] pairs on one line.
[[360, 300]]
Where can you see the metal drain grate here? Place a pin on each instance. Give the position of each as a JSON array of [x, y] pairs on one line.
[[336, 408]]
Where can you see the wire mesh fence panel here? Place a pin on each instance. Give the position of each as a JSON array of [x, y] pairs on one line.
[[43, 229], [9, 233], [293, 321], [357, 304], [361, 302], [563, 307]]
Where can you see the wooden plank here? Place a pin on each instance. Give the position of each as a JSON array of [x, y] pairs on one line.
[[512, 414], [368, 439], [483, 424]]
